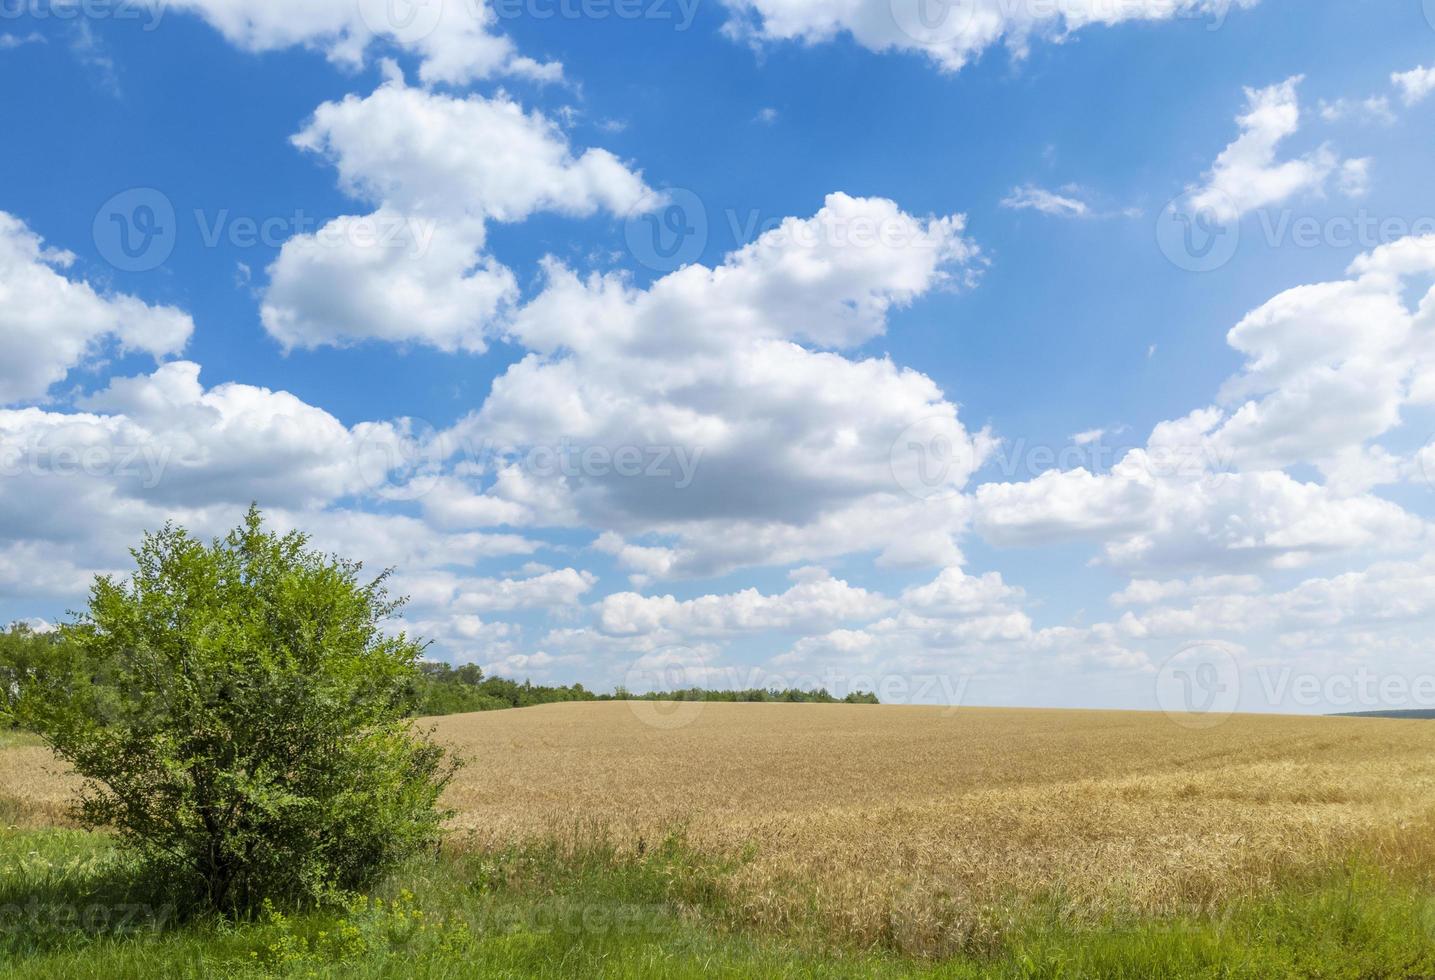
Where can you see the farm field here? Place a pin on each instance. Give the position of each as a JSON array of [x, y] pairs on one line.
[[926, 833], [929, 822]]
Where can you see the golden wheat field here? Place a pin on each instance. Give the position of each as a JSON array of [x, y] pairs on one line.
[[865, 815]]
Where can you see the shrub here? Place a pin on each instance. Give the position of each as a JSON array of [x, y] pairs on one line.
[[256, 745]]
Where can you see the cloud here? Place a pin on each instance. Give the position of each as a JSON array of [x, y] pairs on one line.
[[1247, 176], [454, 40], [1330, 365], [1032, 198], [80, 486], [451, 593], [1414, 85], [91, 52], [440, 168], [754, 448], [343, 286], [468, 639], [1329, 368], [1374, 109], [442, 156], [815, 601], [165, 439], [54, 323], [954, 627], [1145, 592], [9, 42], [955, 594], [1147, 514], [959, 32], [986, 642], [1320, 623], [32, 570]]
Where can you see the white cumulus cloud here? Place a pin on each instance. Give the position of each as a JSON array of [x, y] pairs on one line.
[[53, 322], [439, 168]]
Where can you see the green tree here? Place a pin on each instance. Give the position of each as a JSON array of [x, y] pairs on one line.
[[256, 746]]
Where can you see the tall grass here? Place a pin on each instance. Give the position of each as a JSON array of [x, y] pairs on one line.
[[72, 907]]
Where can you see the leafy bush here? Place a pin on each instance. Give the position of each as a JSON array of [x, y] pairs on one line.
[[256, 745]]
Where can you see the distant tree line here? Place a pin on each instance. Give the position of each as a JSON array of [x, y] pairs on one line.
[[448, 690], [26, 654], [438, 688], [789, 695]]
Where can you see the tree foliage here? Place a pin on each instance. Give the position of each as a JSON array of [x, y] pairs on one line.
[[251, 735]]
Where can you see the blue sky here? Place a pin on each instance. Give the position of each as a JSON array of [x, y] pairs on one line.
[[1023, 172]]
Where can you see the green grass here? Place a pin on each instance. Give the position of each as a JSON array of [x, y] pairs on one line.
[[70, 906]]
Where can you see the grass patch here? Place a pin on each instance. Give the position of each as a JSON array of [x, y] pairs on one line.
[[71, 906], [14, 738]]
